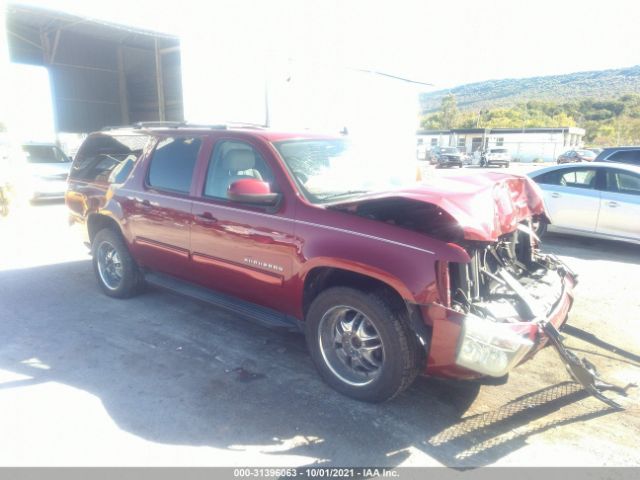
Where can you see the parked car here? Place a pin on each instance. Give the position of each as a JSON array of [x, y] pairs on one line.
[[41, 171], [629, 155], [422, 153], [597, 200], [386, 283], [467, 158], [574, 156], [495, 156], [446, 157]]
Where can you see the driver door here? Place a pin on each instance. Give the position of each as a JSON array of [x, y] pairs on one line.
[[239, 249]]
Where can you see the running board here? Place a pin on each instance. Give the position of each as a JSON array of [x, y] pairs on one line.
[[261, 315]]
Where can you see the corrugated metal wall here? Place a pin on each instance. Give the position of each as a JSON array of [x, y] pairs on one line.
[[85, 83], [85, 77]]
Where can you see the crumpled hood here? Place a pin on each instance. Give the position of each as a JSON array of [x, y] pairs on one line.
[[485, 205]]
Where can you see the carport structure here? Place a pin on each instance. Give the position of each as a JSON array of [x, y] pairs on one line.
[[101, 73]]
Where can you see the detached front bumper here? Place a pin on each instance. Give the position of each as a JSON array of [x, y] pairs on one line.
[[465, 347]]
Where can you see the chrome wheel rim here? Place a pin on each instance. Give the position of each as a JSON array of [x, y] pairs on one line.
[[109, 266], [351, 345]]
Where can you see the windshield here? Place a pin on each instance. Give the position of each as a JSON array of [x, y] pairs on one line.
[[449, 150], [333, 169], [44, 154], [499, 150], [586, 153]]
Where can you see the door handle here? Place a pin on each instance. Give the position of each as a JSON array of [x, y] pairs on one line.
[[555, 195], [206, 217], [145, 204], [613, 204]]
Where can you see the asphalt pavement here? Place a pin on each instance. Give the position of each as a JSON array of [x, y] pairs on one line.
[[164, 380]]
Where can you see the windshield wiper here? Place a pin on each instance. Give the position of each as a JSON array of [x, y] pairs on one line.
[[343, 194]]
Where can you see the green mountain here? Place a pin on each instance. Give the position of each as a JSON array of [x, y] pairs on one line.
[[600, 84]]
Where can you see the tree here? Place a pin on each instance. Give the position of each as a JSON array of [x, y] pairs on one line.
[[449, 111], [607, 121]]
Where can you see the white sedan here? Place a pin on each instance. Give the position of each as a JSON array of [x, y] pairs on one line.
[[592, 199]]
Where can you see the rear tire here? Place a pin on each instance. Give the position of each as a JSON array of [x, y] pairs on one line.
[[116, 271], [360, 346]]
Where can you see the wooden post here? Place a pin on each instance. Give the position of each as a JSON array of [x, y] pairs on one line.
[[159, 84], [122, 87]]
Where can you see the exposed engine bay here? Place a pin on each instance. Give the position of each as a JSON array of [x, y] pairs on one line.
[[507, 281]]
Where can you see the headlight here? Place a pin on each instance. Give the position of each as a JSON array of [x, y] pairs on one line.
[[490, 348]]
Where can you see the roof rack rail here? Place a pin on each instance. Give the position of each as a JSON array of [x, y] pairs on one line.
[[256, 126], [169, 124], [159, 124]]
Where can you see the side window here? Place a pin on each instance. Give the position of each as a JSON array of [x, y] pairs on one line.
[[234, 160], [623, 182], [578, 178], [549, 178], [172, 164], [107, 158], [626, 156]]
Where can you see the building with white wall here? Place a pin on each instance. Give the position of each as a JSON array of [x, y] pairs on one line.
[[525, 145]]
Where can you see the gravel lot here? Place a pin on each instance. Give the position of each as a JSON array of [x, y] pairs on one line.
[[164, 380]]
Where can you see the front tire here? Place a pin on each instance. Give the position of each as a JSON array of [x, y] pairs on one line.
[[360, 346], [540, 227], [116, 271]]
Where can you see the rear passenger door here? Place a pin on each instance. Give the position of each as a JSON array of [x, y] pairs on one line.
[[160, 212], [571, 198], [620, 204]]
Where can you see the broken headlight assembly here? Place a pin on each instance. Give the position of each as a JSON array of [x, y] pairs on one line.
[[490, 348]]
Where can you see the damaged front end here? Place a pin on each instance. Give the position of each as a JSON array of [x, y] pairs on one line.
[[503, 306], [506, 300]]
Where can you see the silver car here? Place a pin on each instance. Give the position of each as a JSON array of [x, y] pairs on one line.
[[41, 170], [592, 199]]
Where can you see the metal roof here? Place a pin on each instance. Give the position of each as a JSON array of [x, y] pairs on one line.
[[42, 19]]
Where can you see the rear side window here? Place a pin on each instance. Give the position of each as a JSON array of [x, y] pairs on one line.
[[623, 182], [172, 164], [107, 159], [626, 156]]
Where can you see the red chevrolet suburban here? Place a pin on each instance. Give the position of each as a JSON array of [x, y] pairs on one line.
[[386, 281]]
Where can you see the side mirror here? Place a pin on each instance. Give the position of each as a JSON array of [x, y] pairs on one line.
[[252, 190]]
